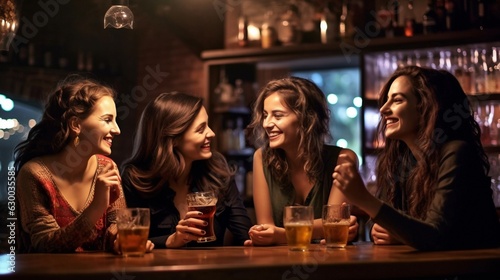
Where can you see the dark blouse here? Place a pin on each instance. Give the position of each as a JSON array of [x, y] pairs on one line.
[[230, 214], [282, 196], [462, 214]]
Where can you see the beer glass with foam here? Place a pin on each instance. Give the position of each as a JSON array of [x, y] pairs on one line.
[[336, 224], [133, 230], [204, 202], [298, 221]]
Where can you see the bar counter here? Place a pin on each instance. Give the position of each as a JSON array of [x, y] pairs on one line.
[[361, 261]]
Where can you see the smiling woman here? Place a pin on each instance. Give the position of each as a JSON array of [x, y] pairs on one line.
[[432, 174], [293, 165], [68, 190], [172, 157]]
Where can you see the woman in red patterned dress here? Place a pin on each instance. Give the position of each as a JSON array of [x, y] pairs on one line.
[[67, 187]]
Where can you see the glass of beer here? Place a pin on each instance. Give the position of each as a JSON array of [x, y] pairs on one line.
[[133, 230], [336, 224], [204, 202], [298, 221]]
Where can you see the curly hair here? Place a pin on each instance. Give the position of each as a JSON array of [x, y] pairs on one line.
[[155, 160], [306, 100], [438, 94], [74, 96]]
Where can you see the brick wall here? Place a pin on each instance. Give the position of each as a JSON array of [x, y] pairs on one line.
[[176, 67]]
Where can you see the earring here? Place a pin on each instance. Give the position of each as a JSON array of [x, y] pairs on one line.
[[76, 142]]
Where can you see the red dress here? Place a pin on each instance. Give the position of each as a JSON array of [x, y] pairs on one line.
[[50, 224]]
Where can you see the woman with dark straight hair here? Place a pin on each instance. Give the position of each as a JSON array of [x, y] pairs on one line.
[[171, 158]]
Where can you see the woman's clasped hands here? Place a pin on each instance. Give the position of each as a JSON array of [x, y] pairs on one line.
[[262, 235]]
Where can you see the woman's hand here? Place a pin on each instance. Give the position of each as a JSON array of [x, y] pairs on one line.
[[347, 179], [262, 235], [187, 230], [353, 228], [381, 236], [107, 186]]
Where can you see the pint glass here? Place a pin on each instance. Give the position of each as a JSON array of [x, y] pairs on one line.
[[133, 230], [298, 221], [204, 202], [336, 225]]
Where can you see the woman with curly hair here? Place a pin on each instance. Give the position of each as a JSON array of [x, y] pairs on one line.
[[432, 174], [172, 157], [292, 165], [69, 190]]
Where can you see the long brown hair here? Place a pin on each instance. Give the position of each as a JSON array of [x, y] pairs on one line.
[[308, 102], [74, 96], [155, 159], [438, 94]]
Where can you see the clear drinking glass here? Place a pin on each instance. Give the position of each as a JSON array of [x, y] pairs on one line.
[[133, 230], [204, 202], [298, 221], [336, 224]]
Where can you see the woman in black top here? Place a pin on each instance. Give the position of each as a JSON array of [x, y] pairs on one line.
[[172, 157], [434, 192]]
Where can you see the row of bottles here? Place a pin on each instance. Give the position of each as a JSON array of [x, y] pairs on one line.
[[228, 95], [445, 15], [487, 115], [477, 67], [56, 57], [233, 136], [294, 22], [243, 178]]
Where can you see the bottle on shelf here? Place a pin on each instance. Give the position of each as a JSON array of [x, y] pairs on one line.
[[328, 27], [480, 15], [227, 136], [240, 177], [239, 93], [493, 76], [451, 18], [289, 27], [409, 20], [346, 27], [440, 15], [224, 90], [238, 136], [429, 19], [267, 32], [243, 31], [462, 72]]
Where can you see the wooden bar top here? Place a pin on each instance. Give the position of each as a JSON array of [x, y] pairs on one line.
[[361, 261]]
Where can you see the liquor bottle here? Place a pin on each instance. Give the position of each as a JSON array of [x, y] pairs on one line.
[[429, 19], [440, 16], [243, 31], [328, 27], [462, 72], [450, 15], [346, 28], [289, 27], [481, 17], [267, 32], [409, 20]]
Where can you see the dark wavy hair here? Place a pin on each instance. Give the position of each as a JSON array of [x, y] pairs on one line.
[[308, 102], [74, 96], [155, 159], [438, 94]]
